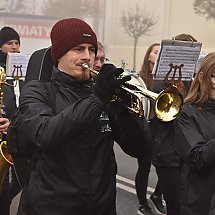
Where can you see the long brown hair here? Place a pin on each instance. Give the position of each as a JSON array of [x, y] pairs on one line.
[[146, 72], [201, 85]]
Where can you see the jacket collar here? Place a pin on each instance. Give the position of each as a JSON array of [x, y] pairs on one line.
[[210, 106], [69, 80]]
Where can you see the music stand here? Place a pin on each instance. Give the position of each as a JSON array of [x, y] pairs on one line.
[[177, 60]]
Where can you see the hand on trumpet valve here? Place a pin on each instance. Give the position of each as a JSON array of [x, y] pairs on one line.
[[108, 81]]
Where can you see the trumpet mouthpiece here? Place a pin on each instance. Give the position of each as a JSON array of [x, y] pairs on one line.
[[86, 66]]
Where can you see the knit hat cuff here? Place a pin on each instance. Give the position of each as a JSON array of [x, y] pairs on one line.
[[7, 34]]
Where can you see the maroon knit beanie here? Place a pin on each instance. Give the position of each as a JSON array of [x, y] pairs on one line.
[[68, 33]]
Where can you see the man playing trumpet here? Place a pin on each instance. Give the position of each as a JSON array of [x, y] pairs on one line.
[[75, 128]]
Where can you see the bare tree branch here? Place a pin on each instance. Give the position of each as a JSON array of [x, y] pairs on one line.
[[136, 25], [205, 8]]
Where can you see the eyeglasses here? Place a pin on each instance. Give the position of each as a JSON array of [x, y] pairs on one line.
[[102, 60]]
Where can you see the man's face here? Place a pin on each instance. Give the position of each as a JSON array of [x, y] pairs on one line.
[[99, 60], [71, 62], [10, 46]]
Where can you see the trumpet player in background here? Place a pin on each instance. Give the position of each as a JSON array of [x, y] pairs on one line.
[[9, 42], [76, 172], [100, 58]]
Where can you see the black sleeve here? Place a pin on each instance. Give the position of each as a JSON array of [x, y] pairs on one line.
[[47, 129], [9, 101], [191, 145], [130, 131]]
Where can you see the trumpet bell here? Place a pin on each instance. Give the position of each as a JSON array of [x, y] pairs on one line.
[[168, 104]]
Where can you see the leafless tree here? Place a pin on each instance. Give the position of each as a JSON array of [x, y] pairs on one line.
[[136, 24], [205, 8]]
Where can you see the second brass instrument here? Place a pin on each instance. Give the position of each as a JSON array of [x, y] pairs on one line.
[[167, 104]]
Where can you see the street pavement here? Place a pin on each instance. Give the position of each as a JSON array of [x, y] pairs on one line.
[[14, 205]]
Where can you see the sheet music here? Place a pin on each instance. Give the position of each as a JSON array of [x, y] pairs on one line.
[[16, 65], [201, 58], [177, 53]]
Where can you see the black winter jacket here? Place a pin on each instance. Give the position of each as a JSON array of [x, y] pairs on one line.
[[76, 173], [8, 106], [164, 154], [195, 142]]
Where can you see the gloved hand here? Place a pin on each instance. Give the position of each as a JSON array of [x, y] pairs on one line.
[[107, 82]]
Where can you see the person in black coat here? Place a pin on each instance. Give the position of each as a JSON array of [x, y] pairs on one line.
[[7, 108], [76, 170], [9, 42], [195, 142], [165, 158]]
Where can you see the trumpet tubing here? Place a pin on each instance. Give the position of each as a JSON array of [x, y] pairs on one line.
[[85, 66], [167, 103]]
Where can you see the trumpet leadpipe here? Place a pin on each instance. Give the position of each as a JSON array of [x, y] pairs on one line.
[[85, 66]]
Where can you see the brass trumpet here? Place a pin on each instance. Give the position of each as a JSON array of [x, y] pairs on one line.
[[167, 103], [5, 157]]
